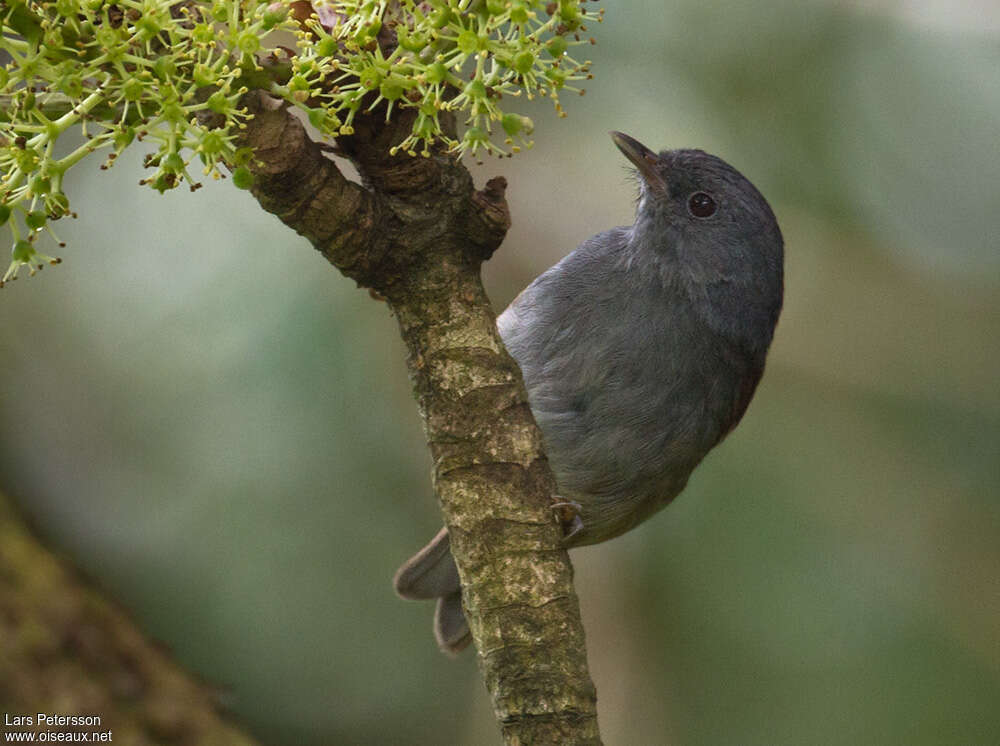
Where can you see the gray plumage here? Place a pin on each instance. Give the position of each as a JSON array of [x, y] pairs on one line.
[[640, 351]]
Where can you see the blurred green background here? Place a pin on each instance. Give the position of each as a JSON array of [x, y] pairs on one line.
[[218, 426]]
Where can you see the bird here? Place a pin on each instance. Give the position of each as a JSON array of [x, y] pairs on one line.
[[640, 351]]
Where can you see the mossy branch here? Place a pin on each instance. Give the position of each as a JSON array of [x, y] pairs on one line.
[[416, 233], [388, 81], [66, 649]]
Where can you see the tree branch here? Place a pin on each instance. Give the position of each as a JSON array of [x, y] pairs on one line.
[[417, 233], [68, 651]]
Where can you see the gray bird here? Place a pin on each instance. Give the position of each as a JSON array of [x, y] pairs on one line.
[[640, 352]]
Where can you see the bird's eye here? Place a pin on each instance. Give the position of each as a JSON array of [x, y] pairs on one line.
[[701, 205]]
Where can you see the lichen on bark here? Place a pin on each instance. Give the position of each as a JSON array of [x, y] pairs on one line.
[[416, 232]]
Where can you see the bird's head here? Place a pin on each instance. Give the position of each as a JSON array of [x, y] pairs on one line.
[[700, 221]]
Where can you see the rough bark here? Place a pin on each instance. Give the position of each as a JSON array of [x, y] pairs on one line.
[[65, 650], [416, 232]]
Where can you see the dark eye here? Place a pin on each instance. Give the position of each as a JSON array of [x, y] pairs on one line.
[[702, 205]]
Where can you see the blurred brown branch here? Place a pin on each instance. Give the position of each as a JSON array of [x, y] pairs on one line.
[[416, 233], [67, 650]]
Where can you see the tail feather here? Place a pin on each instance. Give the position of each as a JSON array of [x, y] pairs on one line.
[[431, 573], [450, 628]]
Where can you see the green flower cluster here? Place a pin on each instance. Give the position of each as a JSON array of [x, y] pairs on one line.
[[438, 56], [171, 74]]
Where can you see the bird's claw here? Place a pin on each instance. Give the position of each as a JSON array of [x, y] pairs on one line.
[[568, 512]]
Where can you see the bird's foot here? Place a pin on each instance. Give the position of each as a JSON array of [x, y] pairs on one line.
[[568, 512]]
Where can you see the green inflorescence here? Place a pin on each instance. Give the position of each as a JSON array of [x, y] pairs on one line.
[[172, 73]]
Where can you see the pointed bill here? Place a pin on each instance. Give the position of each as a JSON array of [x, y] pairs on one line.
[[643, 158]]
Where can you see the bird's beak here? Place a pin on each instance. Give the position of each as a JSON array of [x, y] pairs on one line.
[[643, 158]]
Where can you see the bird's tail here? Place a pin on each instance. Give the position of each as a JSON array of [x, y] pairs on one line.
[[431, 573]]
